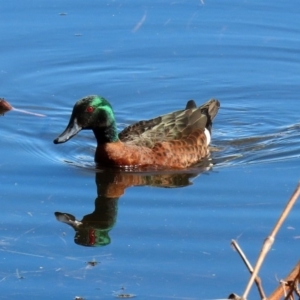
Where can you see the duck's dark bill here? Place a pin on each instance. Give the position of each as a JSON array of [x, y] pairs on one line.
[[72, 129]]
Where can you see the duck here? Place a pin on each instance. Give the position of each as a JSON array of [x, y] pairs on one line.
[[176, 140]]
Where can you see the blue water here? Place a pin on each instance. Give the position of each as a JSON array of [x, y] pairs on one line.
[[147, 59]]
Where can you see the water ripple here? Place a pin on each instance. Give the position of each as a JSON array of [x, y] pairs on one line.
[[283, 144]]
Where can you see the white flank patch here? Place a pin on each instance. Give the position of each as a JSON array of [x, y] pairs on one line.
[[208, 137]]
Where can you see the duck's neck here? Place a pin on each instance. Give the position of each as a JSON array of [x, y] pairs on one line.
[[106, 135]]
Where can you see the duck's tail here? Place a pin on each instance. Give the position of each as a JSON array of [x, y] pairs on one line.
[[208, 109], [213, 108]]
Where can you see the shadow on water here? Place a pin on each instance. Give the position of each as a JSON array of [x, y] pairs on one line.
[[93, 229]]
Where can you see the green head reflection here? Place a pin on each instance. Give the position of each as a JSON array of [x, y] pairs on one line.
[[93, 230]]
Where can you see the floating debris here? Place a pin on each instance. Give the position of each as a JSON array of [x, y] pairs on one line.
[[18, 274], [140, 23], [92, 263], [5, 107], [125, 296], [28, 112]]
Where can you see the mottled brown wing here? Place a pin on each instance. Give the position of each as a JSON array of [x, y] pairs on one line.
[[171, 126]]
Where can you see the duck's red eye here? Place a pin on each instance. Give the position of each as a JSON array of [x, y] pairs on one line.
[[90, 109]]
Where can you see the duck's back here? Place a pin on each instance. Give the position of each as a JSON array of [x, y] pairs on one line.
[[172, 126]]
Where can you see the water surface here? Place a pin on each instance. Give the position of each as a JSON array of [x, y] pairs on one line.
[[147, 59]]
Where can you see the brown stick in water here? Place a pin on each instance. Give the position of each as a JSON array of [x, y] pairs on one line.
[[5, 106]]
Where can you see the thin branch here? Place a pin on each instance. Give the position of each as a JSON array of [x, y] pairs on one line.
[[250, 269], [270, 240], [281, 290]]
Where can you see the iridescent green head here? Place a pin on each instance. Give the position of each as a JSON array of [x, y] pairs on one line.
[[95, 113]]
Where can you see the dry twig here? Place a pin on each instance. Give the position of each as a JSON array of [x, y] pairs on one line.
[[288, 286], [249, 267], [270, 240]]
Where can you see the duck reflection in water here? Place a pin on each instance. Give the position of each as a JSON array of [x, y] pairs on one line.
[[93, 229]]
